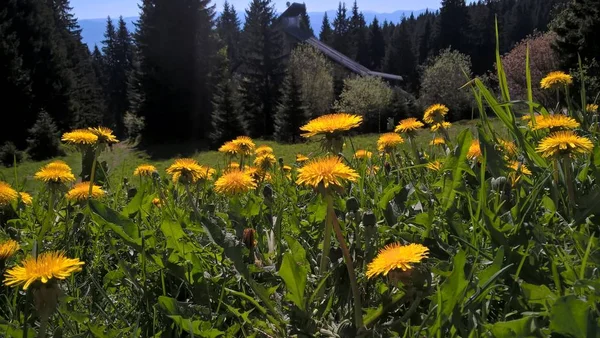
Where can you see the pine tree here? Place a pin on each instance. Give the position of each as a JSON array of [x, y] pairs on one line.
[[228, 29], [453, 26], [44, 138], [357, 33], [262, 68], [376, 45], [291, 114], [326, 35], [305, 23], [400, 58], [340, 39], [176, 52], [226, 122]]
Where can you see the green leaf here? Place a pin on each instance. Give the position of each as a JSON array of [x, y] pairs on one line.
[[121, 225], [388, 195], [452, 290], [572, 317], [496, 265], [538, 294], [456, 164], [294, 272], [524, 327]]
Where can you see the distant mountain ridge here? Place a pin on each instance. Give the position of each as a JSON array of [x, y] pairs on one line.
[[93, 29]]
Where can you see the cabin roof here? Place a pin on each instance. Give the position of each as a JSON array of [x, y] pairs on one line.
[[301, 35], [294, 9]]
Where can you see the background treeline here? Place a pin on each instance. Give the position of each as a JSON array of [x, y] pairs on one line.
[[187, 74]]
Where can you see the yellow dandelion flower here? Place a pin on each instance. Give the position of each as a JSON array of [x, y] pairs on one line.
[[48, 266], [435, 113], [519, 167], [327, 171], [331, 124], [301, 158], [509, 147], [245, 144], [263, 150], [233, 165], [26, 198], [54, 174], [235, 182], [396, 256], [8, 248], [105, 135], [442, 125], [363, 154], [80, 137], [556, 79], [435, 166], [409, 125], [591, 108], [265, 162], [564, 143], [144, 170], [60, 165], [373, 170], [229, 148], [438, 141], [388, 142], [190, 170], [474, 150], [553, 122], [80, 192], [7, 194], [157, 202]]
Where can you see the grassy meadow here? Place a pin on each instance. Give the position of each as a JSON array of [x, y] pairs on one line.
[[493, 233], [124, 157]]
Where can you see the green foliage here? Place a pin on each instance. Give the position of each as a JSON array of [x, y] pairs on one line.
[[315, 76], [43, 141], [9, 154], [367, 96], [442, 81], [134, 125]]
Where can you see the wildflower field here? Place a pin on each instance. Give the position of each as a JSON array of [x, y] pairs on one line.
[[489, 232]]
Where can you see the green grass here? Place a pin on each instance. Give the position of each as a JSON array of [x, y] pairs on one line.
[[124, 158]]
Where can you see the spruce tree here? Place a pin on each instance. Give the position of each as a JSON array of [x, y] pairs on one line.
[[291, 114], [326, 35], [305, 23], [376, 45], [14, 79], [228, 30], [453, 26], [86, 94], [340, 38], [357, 33], [176, 52], [577, 29], [262, 68], [400, 58], [226, 123]]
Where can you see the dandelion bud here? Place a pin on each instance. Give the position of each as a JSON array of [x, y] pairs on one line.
[[248, 238]]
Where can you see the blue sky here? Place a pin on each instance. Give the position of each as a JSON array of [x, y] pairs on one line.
[[92, 9]]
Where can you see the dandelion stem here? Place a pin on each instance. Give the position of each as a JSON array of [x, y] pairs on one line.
[[569, 181], [93, 174], [358, 320]]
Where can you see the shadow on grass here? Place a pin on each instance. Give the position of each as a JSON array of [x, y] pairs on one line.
[[165, 151]]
